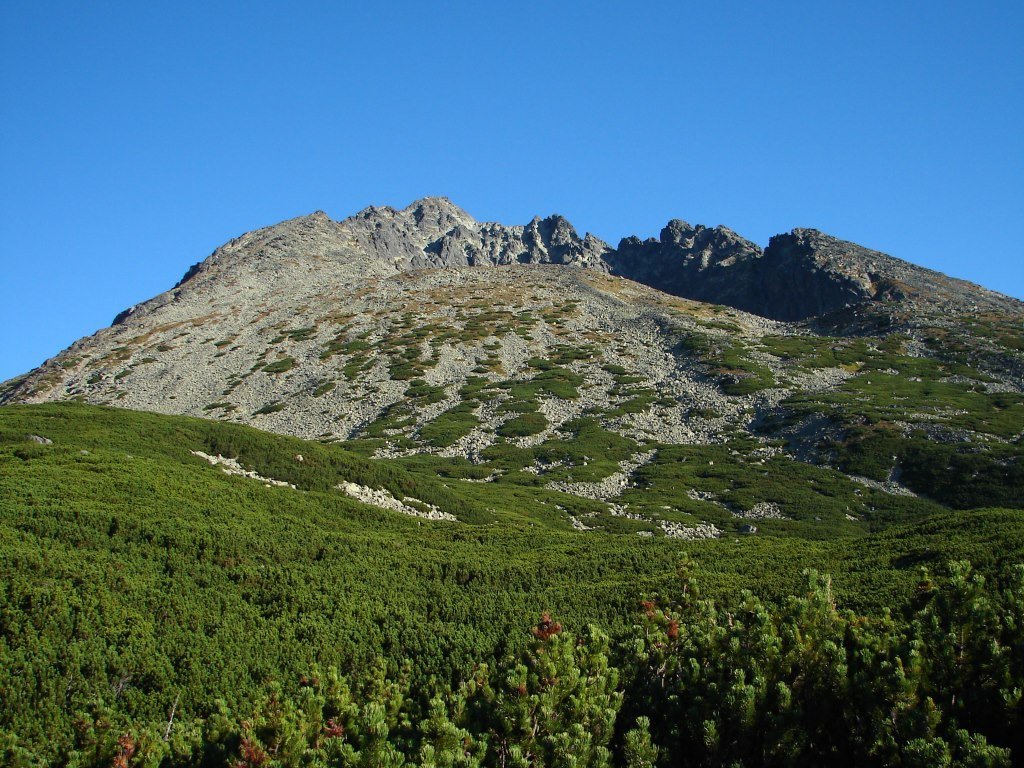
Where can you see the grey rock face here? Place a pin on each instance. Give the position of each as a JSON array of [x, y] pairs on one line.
[[829, 273], [806, 274], [378, 241], [434, 232], [800, 275], [713, 265]]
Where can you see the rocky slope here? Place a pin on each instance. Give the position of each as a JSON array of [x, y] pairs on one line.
[[422, 331]]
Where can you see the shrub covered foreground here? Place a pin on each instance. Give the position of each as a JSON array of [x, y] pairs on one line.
[[696, 682], [140, 581]]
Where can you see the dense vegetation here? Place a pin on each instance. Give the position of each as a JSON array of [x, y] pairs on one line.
[[693, 683], [296, 626]]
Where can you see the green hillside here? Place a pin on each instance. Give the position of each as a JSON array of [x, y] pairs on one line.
[[137, 575]]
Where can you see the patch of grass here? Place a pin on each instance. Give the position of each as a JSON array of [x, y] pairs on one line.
[[324, 388], [564, 354], [474, 387], [393, 418], [300, 334], [558, 382], [451, 426], [893, 389], [639, 400], [530, 423], [554, 381], [270, 408], [587, 451], [506, 457], [428, 394], [817, 351], [959, 475], [220, 406], [736, 373], [355, 366], [283, 365], [340, 345], [816, 499]]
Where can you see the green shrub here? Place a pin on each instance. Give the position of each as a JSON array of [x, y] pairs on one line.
[[324, 387], [270, 408], [526, 424], [280, 366], [451, 426]]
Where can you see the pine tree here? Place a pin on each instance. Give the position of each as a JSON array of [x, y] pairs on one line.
[[557, 707], [638, 750]]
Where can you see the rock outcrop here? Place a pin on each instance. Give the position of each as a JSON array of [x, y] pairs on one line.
[[801, 275], [434, 232], [695, 262]]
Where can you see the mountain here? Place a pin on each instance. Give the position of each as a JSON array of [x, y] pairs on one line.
[[424, 332], [432, 451]]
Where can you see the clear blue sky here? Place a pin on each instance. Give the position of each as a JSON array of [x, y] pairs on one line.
[[136, 137]]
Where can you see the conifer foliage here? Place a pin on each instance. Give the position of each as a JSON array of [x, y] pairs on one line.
[[695, 683], [807, 684]]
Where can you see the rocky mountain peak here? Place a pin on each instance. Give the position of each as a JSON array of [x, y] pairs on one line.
[[678, 226], [554, 240], [801, 274], [438, 214], [434, 233], [439, 205]]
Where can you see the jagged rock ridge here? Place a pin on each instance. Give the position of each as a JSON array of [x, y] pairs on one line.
[[430, 233], [802, 274]]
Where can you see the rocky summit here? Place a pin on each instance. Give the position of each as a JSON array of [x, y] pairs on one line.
[[422, 331]]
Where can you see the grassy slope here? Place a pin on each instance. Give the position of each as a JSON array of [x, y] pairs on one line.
[[135, 571]]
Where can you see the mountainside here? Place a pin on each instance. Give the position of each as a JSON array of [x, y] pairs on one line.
[[422, 331], [420, 434]]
